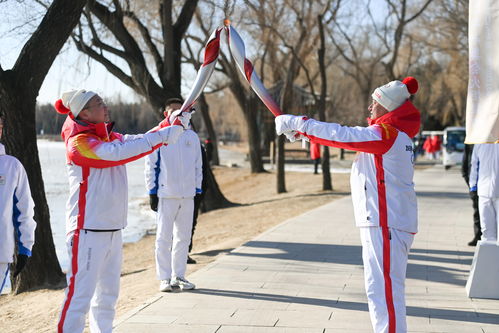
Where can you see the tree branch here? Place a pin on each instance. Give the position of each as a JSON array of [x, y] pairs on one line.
[[115, 70], [147, 39], [97, 41], [185, 17], [419, 12], [37, 56]]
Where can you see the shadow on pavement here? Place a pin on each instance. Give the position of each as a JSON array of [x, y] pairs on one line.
[[415, 311], [328, 193], [214, 253], [352, 255], [450, 195]]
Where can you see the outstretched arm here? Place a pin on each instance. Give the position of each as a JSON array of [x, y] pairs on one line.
[[88, 150], [376, 139]]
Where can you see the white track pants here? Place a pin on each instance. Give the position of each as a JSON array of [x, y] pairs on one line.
[[489, 217], [173, 236], [385, 264], [93, 281], [4, 270]]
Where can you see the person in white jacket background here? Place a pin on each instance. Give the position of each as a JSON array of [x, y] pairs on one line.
[[484, 179], [173, 177], [16, 214], [383, 194], [97, 206]]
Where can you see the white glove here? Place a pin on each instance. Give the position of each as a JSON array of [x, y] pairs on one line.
[[184, 117], [287, 123], [293, 136], [170, 134]]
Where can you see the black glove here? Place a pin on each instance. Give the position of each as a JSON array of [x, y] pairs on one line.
[[153, 201], [21, 261]]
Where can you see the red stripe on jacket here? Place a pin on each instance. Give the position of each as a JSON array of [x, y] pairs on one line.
[[82, 202], [383, 222]]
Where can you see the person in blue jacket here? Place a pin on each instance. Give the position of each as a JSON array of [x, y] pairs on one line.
[[16, 214]]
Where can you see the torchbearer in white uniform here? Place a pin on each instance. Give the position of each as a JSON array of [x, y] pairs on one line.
[[173, 177], [382, 192], [484, 174], [97, 206], [16, 214]]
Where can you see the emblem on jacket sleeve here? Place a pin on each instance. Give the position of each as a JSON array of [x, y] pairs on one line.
[[2, 180]]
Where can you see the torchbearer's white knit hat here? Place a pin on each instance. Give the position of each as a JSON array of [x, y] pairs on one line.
[[73, 101], [394, 94]]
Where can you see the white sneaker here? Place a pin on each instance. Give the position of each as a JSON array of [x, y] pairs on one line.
[[165, 285], [182, 283]]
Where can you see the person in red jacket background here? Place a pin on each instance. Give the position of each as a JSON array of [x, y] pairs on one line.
[[315, 155], [432, 146]]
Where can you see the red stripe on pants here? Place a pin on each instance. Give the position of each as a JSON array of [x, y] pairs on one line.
[[383, 222], [75, 241]]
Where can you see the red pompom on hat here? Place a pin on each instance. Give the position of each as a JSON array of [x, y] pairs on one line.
[[59, 107], [412, 84]]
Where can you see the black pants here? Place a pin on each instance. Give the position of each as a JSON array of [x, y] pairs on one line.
[[476, 215], [198, 198], [317, 161]]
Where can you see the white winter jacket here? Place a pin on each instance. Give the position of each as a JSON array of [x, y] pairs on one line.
[[175, 170], [484, 172], [16, 209], [382, 173], [98, 185]]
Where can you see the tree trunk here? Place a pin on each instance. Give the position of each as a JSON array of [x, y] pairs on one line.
[[255, 156], [18, 90], [286, 101], [43, 268], [326, 173], [205, 112], [214, 199], [281, 179], [327, 184], [249, 103]]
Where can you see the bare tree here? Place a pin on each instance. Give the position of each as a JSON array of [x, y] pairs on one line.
[[374, 48], [393, 43], [290, 27], [361, 58], [321, 105], [442, 34], [19, 88], [239, 87], [121, 21]]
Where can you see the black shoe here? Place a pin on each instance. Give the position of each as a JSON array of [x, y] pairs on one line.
[[190, 260], [473, 242]]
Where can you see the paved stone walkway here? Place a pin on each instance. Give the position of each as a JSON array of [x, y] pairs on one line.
[[306, 275]]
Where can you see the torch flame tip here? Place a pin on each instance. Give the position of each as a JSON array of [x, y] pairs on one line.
[[226, 22]]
